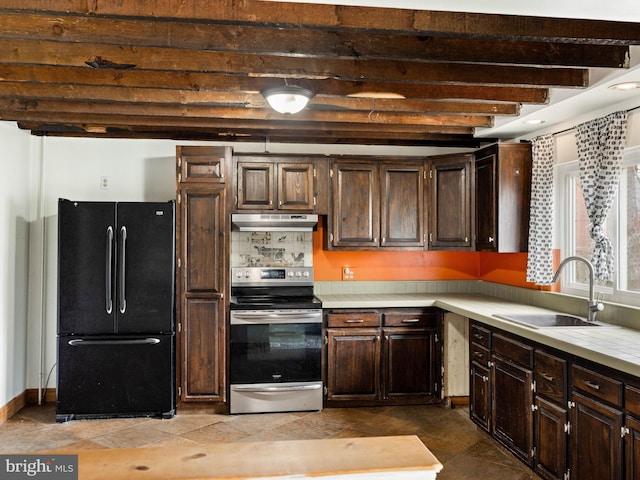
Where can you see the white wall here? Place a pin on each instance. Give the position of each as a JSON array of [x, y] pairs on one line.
[[14, 259]]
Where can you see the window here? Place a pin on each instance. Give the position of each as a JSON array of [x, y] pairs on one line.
[[623, 229]]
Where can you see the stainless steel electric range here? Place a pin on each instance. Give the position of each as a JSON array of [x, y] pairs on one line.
[[275, 340]]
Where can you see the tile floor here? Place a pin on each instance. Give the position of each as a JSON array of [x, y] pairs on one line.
[[465, 451]]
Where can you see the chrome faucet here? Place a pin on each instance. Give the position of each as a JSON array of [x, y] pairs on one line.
[[595, 306]]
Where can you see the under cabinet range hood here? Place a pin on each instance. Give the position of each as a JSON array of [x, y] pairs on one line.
[[276, 222]]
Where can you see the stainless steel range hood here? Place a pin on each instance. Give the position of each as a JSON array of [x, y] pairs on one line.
[[276, 222]]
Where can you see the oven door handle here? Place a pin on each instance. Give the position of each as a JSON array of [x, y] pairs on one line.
[[284, 388], [284, 317]]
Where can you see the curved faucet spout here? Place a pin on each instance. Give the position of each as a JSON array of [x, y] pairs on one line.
[[594, 306]]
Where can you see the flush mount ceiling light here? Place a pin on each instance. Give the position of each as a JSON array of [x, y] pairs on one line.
[[288, 99], [625, 87]]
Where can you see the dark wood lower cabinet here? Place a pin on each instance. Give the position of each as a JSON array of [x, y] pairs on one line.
[[201, 374], [409, 370], [353, 364], [632, 448], [550, 439], [383, 357], [480, 401], [595, 440], [511, 420]]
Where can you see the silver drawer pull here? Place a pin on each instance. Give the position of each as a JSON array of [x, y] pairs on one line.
[[589, 384], [410, 320], [356, 321], [548, 378], [479, 354]]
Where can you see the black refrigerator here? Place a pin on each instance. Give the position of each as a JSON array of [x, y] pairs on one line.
[[116, 310]]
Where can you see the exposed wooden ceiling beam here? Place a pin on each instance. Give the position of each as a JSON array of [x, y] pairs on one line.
[[181, 67], [303, 43], [339, 18]]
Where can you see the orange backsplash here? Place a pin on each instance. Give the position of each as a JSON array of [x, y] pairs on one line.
[[505, 268]]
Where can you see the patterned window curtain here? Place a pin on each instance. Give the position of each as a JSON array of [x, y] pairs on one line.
[[601, 145], [540, 258]]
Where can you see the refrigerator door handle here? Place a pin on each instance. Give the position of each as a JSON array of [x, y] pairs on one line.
[[109, 271], [125, 341], [123, 251]]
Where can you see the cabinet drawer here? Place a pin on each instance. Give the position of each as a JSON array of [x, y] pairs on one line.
[[479, 354], [410, 319], [550, 375], [480, 335], [354, 319], [597, 385], [512, 350], [632, 400]]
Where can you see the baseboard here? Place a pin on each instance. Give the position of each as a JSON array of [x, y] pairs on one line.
[[459, 401], [32, 396], [14, 406]]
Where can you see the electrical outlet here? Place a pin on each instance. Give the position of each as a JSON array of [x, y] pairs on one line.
[[104, 183], [348, 273]]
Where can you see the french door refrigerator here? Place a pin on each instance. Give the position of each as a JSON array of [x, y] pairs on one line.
[[116, 335]]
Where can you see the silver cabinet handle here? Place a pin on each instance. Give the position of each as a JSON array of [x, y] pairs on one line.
[[410, 320], [123, 253], [108, 271], [589, 384]]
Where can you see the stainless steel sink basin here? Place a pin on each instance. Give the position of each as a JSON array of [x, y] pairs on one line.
[[546, 320]]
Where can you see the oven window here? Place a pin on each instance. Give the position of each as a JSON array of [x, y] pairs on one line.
[[266, 353]]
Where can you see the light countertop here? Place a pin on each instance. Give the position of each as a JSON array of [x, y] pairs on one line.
[[610, 345]]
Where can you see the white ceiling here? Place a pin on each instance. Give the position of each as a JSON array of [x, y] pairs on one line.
[[567, 107]]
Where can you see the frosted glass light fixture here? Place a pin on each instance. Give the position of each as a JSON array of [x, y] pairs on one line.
[[288, 99]]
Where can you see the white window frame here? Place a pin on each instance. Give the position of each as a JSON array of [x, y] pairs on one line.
[[566, 173]]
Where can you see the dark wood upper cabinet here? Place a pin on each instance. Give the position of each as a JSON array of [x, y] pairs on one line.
[[197, 164], [275, 184], [451, 205], [377, 205], [402, 205], [356, 205], [502, 197]]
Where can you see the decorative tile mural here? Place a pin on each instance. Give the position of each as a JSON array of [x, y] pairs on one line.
[[272, 249]]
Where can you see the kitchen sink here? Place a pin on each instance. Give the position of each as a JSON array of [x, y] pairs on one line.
[[545, 320]]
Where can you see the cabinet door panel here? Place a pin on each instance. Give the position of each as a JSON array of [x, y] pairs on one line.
[[480, 388], [203, 228], [451, 208], [549, 422], [356, 210], [255, 186], [295, 186], [203, 343], [199, 163], [410, 363], [486, 209], [595, 441], [402, 202], [353, 364], [511, 420], [632, 448]]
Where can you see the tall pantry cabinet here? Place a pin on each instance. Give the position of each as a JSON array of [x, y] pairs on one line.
[[201, 266]]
